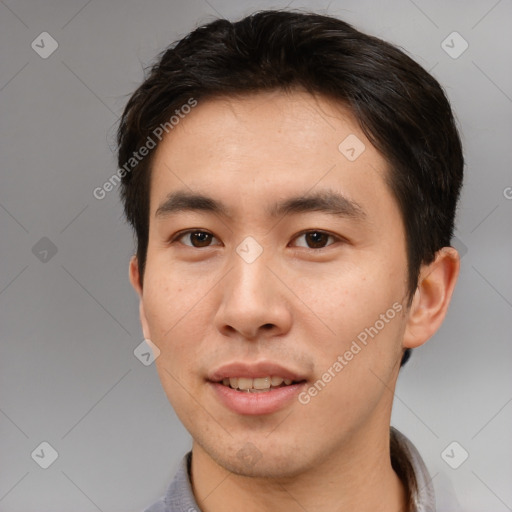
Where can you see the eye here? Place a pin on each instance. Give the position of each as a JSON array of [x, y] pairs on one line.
[[315, 239], [196, 238]]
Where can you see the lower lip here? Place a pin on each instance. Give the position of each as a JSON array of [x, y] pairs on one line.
[[265, 402]]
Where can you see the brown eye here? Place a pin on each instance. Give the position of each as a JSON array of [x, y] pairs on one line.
[[197, 238], [315, 239]]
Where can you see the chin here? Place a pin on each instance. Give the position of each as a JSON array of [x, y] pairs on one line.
[[249, 461]]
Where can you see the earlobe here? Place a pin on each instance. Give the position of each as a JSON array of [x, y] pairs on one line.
[[432, 297]]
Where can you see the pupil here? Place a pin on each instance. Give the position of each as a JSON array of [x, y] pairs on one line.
[[316, 238], [202, 237]]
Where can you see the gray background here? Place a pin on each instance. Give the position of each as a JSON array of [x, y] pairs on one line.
[[69, 321]]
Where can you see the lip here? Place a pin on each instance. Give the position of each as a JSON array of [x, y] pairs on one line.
[[253, 371], [252, 404], [247, 403]]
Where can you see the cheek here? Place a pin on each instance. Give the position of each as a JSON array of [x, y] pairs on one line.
[[352, 296], [172, 318], [355, 369], [358, 316], [171, 296]]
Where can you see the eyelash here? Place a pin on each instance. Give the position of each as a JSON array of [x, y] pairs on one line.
[[306, 232]]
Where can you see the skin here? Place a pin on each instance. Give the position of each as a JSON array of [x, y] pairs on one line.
[[296, 304]]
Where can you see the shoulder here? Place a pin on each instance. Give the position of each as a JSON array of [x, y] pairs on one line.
[[179, 496], [157, 506]]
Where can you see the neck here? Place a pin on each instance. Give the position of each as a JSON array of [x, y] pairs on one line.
[[356, 476]]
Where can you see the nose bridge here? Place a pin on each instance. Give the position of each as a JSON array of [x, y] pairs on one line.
[[250, 273], [251, 297]]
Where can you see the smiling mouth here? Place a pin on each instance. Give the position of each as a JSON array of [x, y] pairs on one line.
[[257, 385]]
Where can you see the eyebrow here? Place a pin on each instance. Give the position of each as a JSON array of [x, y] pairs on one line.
[[328, 201]]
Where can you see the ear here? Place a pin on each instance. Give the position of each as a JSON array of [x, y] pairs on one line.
[[135, 281], [432, 297], [134, 275]]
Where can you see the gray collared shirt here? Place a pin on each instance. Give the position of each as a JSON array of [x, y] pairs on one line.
[[180, 498]]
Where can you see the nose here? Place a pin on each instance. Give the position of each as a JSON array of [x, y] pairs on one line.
[[254, 303]]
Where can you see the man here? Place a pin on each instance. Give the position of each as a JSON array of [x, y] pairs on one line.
[[292, 184]]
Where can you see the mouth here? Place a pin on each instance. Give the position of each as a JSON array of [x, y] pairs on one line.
[[255, 388], [258, 384]]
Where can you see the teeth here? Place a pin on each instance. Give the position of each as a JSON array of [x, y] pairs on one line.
[[255, 385], [244, 383], [261, 383], [276, 381]]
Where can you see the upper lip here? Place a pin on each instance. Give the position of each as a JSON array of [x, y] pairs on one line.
[[252, 371]]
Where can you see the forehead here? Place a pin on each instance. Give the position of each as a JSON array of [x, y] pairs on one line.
[[307, 124], [250, 150]]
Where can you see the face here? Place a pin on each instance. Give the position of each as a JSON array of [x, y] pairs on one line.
[[292, 265]]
